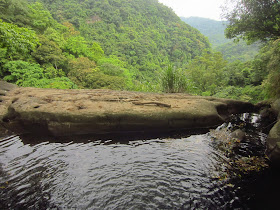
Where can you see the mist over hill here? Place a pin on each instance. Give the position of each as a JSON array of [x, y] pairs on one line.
[[214, 30]]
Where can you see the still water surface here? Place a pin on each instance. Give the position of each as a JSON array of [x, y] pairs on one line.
[[139, 174], [142, 174]]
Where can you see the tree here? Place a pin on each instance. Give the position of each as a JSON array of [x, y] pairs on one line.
[[41, 18], [86, 75], [207, 72], [273, 64], [253, 20], [15, 11], [49, 53], [18, 41]]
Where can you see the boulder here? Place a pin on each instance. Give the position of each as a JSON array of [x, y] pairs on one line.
[[5, 87], [238, 134], [273, 139], [273, 144], [276, 106], [76, 112]]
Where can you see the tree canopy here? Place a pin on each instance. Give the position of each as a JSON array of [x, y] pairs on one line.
[[253, 20]]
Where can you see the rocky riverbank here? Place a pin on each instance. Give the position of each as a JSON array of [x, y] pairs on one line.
[[76, 112]]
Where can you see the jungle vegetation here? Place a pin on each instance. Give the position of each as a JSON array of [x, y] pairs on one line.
[[138, 45]]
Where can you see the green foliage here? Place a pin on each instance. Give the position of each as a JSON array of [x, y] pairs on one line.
[[120, 44], [32, 75], [272, 64], [23, 73], [207, 72], [41, 19], [96, 52], [56, 35], [17, 41], [77, 46], [49, 53], [174, 80], [249, 93], [15, 11], [144, 34], [55, 83], [86, 75], [238, 74], [253, 20], [233, 51]]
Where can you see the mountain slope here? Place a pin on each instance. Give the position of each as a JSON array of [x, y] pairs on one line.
[[119, 44], [144, 33], [214, 30]]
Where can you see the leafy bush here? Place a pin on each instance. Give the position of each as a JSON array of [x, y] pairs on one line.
[[174, 80], [27, 74], [22, 71]]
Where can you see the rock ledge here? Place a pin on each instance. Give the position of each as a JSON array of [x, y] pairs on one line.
[[76, 112]]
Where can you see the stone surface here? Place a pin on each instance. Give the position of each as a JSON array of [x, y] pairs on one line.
[[5, 87], [273, 139], [238, 134], [75, 112], [273, 144], [276, 106]]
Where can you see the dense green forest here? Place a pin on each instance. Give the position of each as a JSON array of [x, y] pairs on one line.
[[215, 31], [119, 44], [99, 44]]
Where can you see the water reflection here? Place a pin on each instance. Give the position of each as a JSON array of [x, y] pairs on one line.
[[142, 174], [166, 173]]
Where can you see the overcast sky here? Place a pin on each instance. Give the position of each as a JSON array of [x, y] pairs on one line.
[[199, 8]]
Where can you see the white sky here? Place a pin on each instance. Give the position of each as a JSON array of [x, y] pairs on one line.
[[199, 8]]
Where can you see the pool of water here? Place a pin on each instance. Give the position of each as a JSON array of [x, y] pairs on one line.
[[159, 173]]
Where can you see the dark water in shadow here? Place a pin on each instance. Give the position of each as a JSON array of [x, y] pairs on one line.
[[164, 173]]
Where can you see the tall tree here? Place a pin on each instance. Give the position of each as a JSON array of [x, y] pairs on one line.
[[253, 20]]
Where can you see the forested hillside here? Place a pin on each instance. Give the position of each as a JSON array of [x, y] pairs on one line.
[[138, 45], [115, 44], [142, 32], [215, 31]]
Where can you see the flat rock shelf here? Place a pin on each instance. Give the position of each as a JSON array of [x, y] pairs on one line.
[[78, 112]]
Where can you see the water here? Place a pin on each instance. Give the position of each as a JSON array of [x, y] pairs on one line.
[[180, 173]]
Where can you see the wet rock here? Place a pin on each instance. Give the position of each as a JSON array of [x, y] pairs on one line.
[[276, 106], [273, 144], [75, 112], [238, 134], [273, 139], [5, 87]]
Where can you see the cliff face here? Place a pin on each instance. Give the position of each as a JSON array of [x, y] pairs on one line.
[[76, 112]]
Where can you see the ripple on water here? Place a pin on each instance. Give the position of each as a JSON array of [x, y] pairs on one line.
[[143, 174]]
